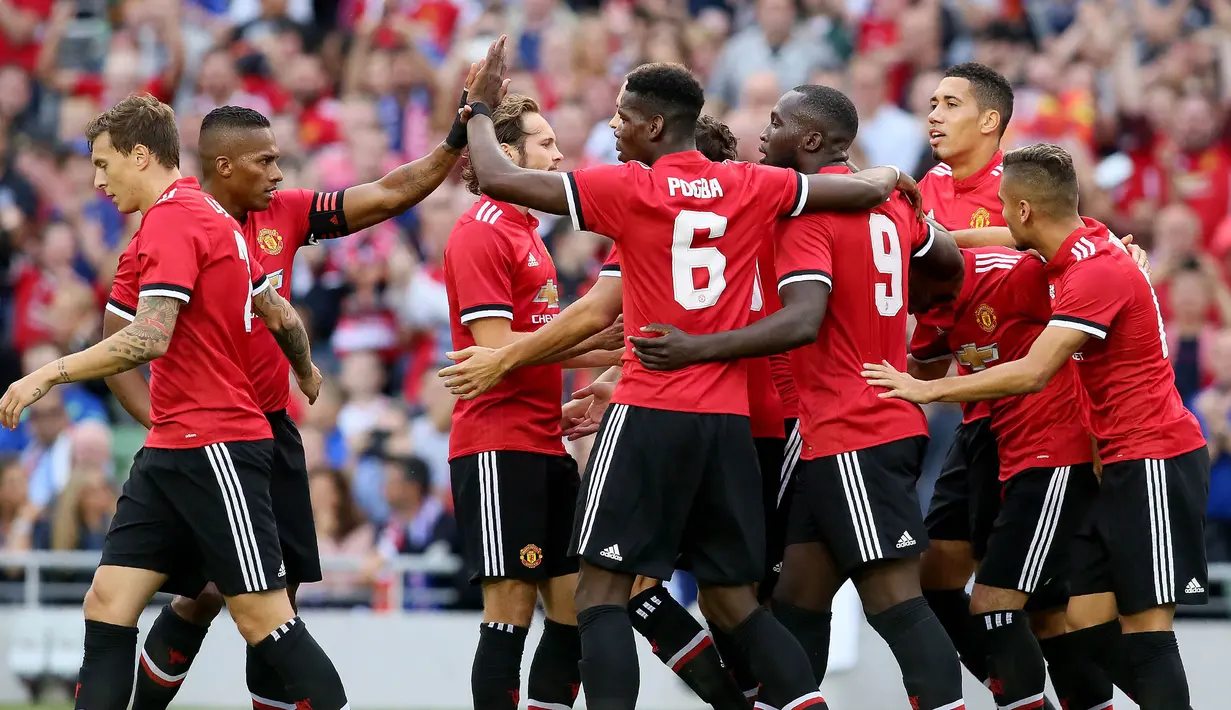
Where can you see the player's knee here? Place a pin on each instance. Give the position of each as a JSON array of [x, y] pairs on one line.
[[509, 601], [1159, 618], [1089, 610], [985, 599], [885, 584], [946, 564], [727, 607], [599, 587], [1048, 623], [202, 610], [643, 583], [557, 594], [257, 614], [111, 600]]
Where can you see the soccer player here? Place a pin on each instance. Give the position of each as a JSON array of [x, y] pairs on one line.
[[971, 108], [678, 640], [1146, 549], [514, 486], [986, 317], [674, 471], [197, 499], [842, 280], [239, 158]]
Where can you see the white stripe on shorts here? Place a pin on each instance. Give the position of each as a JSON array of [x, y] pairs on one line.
[[794, 444], [489, 516], [598, 475], [1044, 530], [860, 507], [1161, 550], [246, 550]]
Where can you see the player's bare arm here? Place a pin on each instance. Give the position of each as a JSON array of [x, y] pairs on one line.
[[1054, 346], [287, 327], [479, 369], [795, 325], [1000, 237], [859, 191], [401, 189], [928, 369], [130, 387], [939, 259], [139, 342]]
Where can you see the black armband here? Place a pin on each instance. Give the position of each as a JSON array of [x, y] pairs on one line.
[[326, 220], [478, 108], [457, 132]]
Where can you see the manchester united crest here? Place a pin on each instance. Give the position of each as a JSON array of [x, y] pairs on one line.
[[531, 556], [270, 241], [980, 219], [986, 317]]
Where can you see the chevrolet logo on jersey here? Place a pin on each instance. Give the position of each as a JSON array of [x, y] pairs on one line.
[[549, 295], [977, 358]]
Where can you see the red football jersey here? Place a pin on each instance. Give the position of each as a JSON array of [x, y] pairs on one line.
[[960, 204], [496, 266], [189, 248], [123, 298], [293, 219], [1001, 310], [1135, 410], [864, 258], [764, 406], [689, 231], [779, 363]]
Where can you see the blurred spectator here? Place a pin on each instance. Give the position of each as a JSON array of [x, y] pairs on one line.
[[82, 513], [1194, 290], [887, 134], [340, 530], [17, 513], [429, 431], [418, 523], [1213, 407]]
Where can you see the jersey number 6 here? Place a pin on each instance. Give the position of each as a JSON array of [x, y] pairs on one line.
[[685, 258]]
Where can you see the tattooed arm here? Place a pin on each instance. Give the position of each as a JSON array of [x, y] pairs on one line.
[[287, 327], [130, 387], [403, 188], [143, 340]]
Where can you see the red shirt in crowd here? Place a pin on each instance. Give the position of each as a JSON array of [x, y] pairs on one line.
[[25, 54], [496, 266]]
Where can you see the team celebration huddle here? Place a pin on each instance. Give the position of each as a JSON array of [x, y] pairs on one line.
[[758, 423]]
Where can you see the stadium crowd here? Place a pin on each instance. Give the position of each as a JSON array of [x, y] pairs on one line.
[[1137, 91]]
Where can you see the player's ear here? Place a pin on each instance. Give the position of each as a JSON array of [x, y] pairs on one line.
[[655, 128], [990, 122], [140, 156], [509, 153], [812, 142], [223, 166]]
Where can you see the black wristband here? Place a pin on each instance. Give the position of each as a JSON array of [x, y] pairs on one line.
[[457, 132], [478, 108]]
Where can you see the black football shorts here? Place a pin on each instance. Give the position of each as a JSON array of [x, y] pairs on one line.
[[861, 505], [199, 515], [1144, 538], [966, 499], [292, 500], [778, 459], [515, 513], [1032, 540], [668, 489]]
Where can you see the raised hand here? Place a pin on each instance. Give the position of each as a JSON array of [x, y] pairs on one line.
[[489, 83]]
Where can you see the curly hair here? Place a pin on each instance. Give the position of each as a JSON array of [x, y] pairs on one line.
[[507, 118], [715, 140]]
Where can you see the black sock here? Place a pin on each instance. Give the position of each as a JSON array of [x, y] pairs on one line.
[[1101, 645], [929, 663], [105, 681], [609, 669], [1080, 682], [1014, 660], [952, 608], [779, 662], [684, 647], [736, 664], [170, 647], [554, 677], [264, 684], [1153, 659], [495, 677], [811, 629], [305, 670]]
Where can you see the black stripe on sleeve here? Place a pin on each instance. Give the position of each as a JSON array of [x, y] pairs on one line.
[[260, 284], [801, 194], [326, 219], [805, 275], [610, 270], [121, 307], [486, 310], [574, 202], [1098, 330], [163, 289]]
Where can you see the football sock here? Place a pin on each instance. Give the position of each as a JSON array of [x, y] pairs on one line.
[[495, 677], [952, 608], [778, 662], [1080, 683], [736, 664], [305, 670], [170, 647], [264, 684], [554, 677], [1018, 672], [1153, 659], [609, 669], [930, 669], [811, 629], [105, 681], [684, 647], [1101, 645]]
